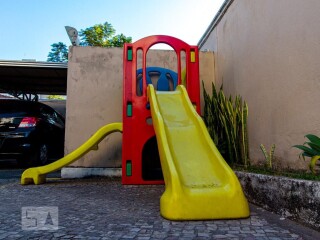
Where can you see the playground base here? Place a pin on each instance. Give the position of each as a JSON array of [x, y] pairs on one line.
[[199, 183]]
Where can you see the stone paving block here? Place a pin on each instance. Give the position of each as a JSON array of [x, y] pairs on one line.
[[4, 235], [259, 235], [219, 236], [235, 228], [143, 238], [203, 235], [187, 231]]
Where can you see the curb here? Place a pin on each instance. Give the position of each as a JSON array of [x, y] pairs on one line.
[[291, 198]]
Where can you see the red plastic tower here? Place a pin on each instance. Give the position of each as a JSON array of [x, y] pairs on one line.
[[139, 151]]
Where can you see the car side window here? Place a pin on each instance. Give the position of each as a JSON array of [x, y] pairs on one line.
[[58, 119], [45, 114], [51, 117]]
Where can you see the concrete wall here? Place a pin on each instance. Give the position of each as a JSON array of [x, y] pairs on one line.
[[94, 98], [292, 198], [94, 93], [268, 52]]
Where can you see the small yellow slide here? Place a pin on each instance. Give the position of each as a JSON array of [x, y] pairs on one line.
[[37, 175], [199, 183]]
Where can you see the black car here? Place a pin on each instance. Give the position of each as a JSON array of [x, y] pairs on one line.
[[30, 132]]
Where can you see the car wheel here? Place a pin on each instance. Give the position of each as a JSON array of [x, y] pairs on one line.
[[39, 157], [42, 154]]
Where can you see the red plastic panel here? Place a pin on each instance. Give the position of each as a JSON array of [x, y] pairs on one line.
[[136, 131]]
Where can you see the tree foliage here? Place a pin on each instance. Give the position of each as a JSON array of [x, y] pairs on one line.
[[55, 97], [59, 53], [101, 35]]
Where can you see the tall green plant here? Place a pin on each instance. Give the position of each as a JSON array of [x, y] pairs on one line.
[[268, 156], [226, 120]]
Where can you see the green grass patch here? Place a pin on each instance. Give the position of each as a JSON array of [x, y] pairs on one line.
[[297, 174]]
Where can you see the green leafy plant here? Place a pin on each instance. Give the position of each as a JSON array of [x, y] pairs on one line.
[[268, 156], [226, 120], [310, 149]]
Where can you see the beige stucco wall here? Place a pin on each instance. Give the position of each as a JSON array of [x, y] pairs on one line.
[[94, 92], [95, 97], [268, 52]]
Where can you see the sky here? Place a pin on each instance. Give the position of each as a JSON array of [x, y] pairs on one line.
[[29, 27]]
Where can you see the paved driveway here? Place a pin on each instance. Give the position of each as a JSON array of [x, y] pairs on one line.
[[105, 209]]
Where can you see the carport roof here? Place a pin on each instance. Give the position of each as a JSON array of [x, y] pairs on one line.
[[33, 77]]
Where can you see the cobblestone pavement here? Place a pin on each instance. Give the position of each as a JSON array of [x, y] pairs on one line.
[[105, 209]]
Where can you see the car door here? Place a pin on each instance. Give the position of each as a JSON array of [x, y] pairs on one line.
[[55, 131]]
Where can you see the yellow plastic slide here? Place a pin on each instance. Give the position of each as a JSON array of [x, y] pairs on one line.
[[37, 175], [199, 183]]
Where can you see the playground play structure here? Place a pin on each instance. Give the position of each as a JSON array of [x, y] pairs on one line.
[[165, 139]]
